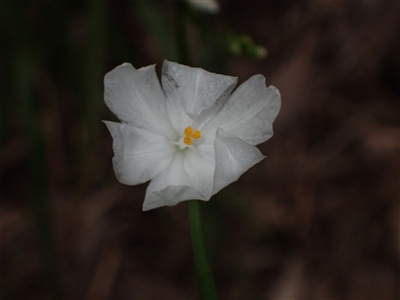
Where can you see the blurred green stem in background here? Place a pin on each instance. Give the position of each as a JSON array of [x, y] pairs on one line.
[[181, 31], [153, 17], [204, 277], [24, 76], [92, 92]]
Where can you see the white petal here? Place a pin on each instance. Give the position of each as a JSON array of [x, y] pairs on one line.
[[136, 98], [195, 88], [169, 196], [248, 113], [233, 157], [139, 155], [200, 165], [188, 177], [177, 114]]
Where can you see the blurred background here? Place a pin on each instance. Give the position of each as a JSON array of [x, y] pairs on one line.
[[317, 219]]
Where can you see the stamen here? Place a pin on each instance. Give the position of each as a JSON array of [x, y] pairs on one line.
[[189, 135], [188, 131], [187, 140], [196, 135]]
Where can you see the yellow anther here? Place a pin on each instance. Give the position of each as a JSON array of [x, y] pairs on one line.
[[187, 140], [196, 135], [188, 131], [189, 135]]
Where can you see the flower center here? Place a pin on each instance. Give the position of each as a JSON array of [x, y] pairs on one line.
[[189, 135], [186, 140]]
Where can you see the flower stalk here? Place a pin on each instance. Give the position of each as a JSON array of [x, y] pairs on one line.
[[181, 32], [205, 281]]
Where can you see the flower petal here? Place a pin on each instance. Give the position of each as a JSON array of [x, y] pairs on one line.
[[195, 88], [177, 114], [233, 157], [136, 98], [248, 113], [189, 176], [139, 155], [200, 165], [169, 196], [171, 186]]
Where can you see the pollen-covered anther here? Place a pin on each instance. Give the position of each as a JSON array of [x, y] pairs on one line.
[[189, 135], [187, 140], [188, 131], [196, 135]]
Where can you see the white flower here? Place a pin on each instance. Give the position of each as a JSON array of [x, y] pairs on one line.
[[191, 137]]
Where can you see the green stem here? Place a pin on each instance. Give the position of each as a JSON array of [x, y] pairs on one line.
[[204, 277], [205, 281], [25, 71], [181, 32]]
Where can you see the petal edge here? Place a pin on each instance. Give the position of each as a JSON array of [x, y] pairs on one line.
[[233, 157]]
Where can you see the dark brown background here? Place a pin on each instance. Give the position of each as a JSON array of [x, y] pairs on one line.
[[317, 219]]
